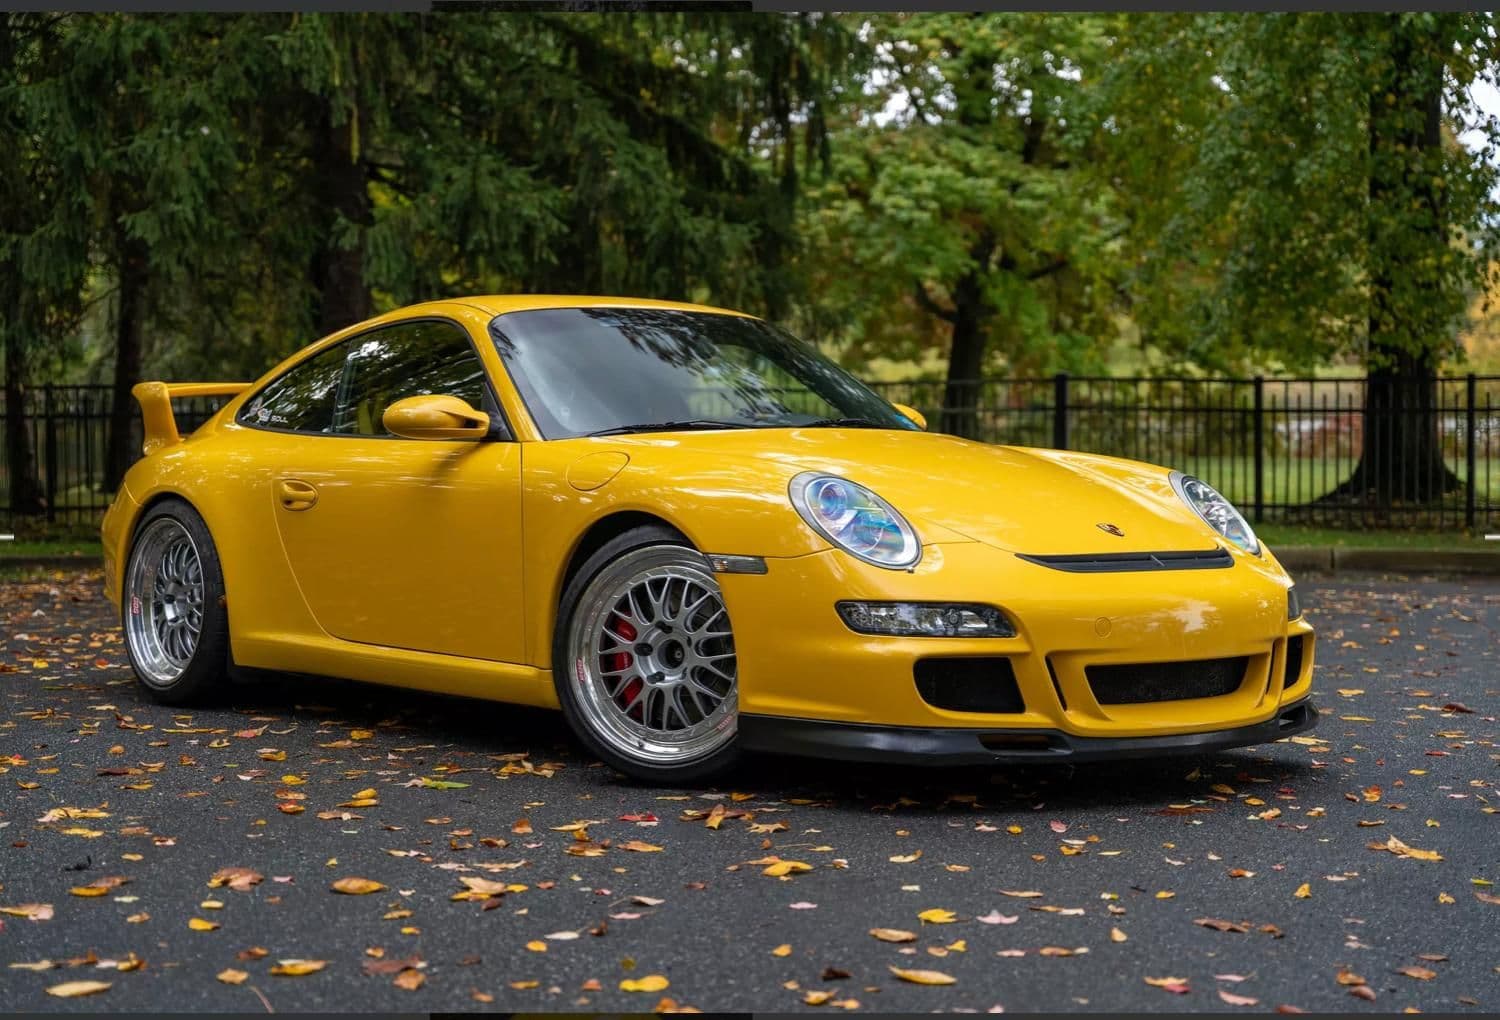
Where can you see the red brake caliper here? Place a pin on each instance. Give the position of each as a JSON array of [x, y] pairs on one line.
[[620, 660]]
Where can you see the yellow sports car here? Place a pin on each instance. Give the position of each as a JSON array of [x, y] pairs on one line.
[[696, 536]]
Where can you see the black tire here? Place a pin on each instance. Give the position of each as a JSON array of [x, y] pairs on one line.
[[169, 679], [691, 773]]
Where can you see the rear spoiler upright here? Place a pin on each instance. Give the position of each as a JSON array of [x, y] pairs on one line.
[[156, 399]]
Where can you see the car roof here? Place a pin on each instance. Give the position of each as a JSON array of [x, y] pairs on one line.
[[499, 304]]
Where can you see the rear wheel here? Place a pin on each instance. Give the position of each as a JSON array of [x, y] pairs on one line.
[[176, 626], [645, 662]]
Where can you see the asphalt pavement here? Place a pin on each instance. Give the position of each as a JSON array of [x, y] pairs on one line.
[[491, 865]]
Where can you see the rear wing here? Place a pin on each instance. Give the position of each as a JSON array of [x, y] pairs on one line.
[[156, 399]]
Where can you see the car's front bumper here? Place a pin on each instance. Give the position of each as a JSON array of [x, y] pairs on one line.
[[965, 746], [798, 661]]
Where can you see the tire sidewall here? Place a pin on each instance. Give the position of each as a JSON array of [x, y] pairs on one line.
[[206, 669], [694, 772]]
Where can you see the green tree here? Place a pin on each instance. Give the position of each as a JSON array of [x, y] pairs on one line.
[[961, 200], [1304, 201]]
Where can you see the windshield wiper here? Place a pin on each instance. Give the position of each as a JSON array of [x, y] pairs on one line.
[[847, 423], [691, 424]]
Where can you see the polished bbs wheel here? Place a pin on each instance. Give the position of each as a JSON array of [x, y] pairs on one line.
[[649, 673], [175, 627], [166, 601]]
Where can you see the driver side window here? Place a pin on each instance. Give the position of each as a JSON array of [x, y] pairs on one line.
[[406, 360]]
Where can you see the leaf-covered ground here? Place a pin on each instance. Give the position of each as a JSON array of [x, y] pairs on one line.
[[311, 845]]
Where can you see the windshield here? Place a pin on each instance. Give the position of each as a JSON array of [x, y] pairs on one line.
[[588, 370]]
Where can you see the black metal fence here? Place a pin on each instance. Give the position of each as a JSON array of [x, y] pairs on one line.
[[1281, 449]]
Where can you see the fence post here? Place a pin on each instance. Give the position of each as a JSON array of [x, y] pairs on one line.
[[1472, 390], [49, 444], [1259, 430], [1060, 411]]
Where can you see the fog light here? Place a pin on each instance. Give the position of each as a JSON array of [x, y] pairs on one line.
[[1293, 603], [926, 619]]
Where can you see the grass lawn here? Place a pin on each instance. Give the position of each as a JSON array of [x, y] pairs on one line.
[[1279, 535]]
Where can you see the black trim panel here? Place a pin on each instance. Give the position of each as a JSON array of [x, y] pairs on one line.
[[1109, 563], [953, 746]]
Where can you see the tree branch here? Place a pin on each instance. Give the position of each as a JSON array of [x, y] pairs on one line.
[[930, 306]]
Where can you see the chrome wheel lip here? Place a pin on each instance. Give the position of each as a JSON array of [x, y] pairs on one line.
[[163, 602], [661, 661]]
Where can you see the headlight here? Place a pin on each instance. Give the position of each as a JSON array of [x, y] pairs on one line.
[[1216, 511], [855, 519], [926, 619]]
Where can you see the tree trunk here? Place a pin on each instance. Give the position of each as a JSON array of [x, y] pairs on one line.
[[1401, 458], [130, 322], [339, 182], [20, 455], [960, 415]]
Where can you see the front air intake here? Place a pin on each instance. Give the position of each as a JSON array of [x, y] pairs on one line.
[[1147, 682], [978, 684]]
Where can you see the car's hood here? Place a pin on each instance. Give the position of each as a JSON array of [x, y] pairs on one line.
[[1014, 498]]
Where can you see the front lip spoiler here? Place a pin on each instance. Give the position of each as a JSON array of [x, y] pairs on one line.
[[955, 746]]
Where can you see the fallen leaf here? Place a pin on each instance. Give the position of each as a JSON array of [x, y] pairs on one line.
[[640, 847], [893, 935], [238, 879], [356, 886], [410, 979], [30, 911], [906, 858], [924, 977], [297, 968], [230, 976], [73, 989], [649, 983], [1419, 973], [1175, 985], [1304, 891], [199, 924], [1237, 1000], [938, 916], [1116, 935]]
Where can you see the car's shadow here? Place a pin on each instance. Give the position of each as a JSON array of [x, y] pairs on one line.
[[471, 726]]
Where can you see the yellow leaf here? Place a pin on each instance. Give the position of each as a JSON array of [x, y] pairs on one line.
[[893, 935], [537, 946], [938, 916], [816, 997], [1165, 895], [906, 858], [361, 734], [366, 793], [1116, 935], [924, 977], [297, 968], [785, 949], [230, 976], [73, 989], [1304, 891], [271, 754], [410, 979], [89, 890], [640, 847], [781, 868], [292, 780], [356, 886], [1445, 898], [649, 983], [199, 924], [30, 911]]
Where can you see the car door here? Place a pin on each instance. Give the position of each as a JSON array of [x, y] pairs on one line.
[[406, 543]]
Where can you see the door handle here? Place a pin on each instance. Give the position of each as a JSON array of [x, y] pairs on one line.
[[296, 494]]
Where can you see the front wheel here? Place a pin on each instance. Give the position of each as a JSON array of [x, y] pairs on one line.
[[645, 663], [173, 607]]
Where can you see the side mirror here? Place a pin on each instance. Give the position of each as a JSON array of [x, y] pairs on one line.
[[913, 414], [435, 417]]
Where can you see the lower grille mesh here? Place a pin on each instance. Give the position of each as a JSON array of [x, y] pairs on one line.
[[969, 685], [1293, 659], [1143, 683]]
